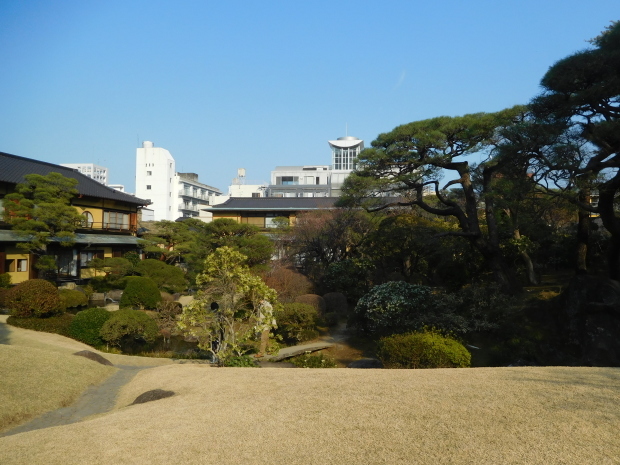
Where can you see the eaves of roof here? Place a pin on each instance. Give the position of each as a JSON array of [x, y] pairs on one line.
[[13, 168]]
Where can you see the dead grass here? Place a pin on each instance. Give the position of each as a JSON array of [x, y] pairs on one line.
[[343, 416], [34, 381], [38, 372]]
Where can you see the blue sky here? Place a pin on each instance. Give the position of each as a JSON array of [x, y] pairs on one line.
[[258, 84]]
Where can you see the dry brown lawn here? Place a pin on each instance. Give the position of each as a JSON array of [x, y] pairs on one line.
[[38, 372], [345, 416], [33, 381], [218, 416]]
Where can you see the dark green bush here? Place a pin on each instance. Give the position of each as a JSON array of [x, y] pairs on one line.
[[129, 324], [392, 307], [35, 297], [244, 361], [297, 322], [5, 281], [73, 298], [58, 324], [87, 324], [425, 349], [331, 319], [3, 293], [140, 293], [336, 302], [313, 361], [168, 278]]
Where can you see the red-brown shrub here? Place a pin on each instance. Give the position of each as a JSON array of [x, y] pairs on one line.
[[288, 282]]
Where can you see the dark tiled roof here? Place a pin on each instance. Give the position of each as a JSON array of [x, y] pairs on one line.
[[276, 203], [14, 168]]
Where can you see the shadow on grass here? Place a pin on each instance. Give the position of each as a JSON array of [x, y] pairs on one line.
[[5, 334]]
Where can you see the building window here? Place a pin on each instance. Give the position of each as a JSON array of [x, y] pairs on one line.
[[287, 180], [88, 219], [22, 264], [255, 194], [116, 220], [87, 255], [148, 187], [149, 173]]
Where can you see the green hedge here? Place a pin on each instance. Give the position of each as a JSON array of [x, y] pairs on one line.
[[425, 349], [87, 324], [55, 324]]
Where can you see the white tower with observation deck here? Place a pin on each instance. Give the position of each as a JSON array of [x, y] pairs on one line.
[[345, 151]]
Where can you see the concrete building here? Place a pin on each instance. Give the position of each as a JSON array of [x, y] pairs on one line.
[[300, 181], [172, 194], [317, 180], [96, 172], [240, 187]]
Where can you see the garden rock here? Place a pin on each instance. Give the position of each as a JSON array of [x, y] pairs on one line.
[[95, 357], [115, 295], [186, 300], [152, 395], [97, 299]]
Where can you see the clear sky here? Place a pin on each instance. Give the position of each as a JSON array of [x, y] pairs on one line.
[[257, 84]]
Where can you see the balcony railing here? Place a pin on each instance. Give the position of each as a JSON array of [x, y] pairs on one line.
[[108, 226], [193, 208]]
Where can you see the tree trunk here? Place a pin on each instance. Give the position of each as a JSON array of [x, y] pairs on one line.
[[503, 274], [527, 261], [607, 194], [583, 236]]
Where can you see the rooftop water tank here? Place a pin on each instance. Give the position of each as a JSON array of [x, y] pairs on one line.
[[147, 144]]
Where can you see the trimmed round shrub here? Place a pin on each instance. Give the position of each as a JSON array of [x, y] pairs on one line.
[[313, 299], [168, 278], [297, 322], [87, 325], [35, 297], [5, 281], [336, 302], [288, 282], [73, 298], [425, 349], [140, 293], [392, 307], [127, 323]]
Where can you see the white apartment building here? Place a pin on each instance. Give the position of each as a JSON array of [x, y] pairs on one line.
[[172, 194], [317, 180], [96, 172]]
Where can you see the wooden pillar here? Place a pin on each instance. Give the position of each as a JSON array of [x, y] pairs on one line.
[[32, 271]]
